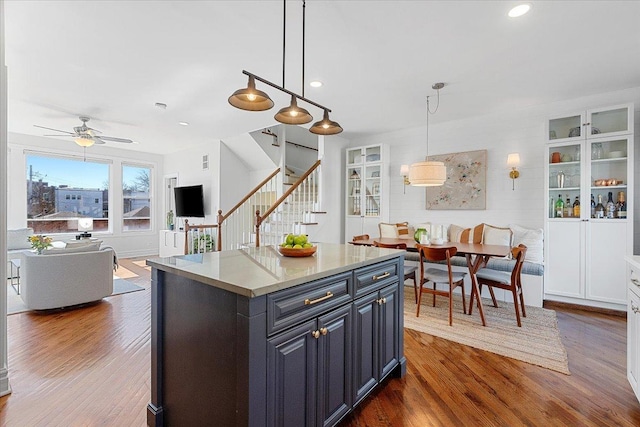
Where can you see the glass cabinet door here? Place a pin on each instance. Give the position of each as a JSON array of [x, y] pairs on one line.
[[565, 179], [354, 156], [609, 175], [610, 121], [372, 154], [354, 189], [373, 190], [561, 128]]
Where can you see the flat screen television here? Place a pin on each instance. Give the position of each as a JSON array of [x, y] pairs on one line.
[[189, 201]]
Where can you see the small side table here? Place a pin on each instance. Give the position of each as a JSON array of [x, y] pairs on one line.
[[15, 278]]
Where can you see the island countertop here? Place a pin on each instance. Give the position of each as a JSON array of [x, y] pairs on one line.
[[253, 272]]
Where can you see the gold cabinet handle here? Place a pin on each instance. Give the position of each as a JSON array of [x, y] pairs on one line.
[[324, 331], [315, 334], [635, 282], [382, 301], [315, 301], [382, 276]]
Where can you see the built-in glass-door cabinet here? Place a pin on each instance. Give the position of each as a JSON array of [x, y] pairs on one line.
[[589, 221], [366, 179]]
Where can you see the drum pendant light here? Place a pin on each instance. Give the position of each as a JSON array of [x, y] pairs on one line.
[[250, 98], [428, 173]]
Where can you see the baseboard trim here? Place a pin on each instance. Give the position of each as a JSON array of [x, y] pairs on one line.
[[5, 388], [552, 305]]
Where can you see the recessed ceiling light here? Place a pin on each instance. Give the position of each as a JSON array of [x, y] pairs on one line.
[[315, 83], [183, 123], [519, 10]]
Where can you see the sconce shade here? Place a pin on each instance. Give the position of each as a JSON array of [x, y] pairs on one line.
[[250, 98], [513, 160], [84, 142], [325, 126], [427, 174], [404, 170]]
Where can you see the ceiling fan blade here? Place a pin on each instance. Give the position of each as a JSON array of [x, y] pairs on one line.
[[97, 140], [57, 130], [111, 138], [67, 136]]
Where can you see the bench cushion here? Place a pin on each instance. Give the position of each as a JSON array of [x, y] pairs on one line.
[[498, 264]]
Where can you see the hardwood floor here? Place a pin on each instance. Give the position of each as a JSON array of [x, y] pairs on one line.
[[90, 367]]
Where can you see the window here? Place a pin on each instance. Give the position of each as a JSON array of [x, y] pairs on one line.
[[136, 198], [55, 186]]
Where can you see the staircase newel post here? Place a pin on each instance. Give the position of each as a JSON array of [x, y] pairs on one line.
[[220, 221], [258, 222], [186, 236]]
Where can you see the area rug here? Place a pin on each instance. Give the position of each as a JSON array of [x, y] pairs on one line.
[[16, 305], [537, 341]]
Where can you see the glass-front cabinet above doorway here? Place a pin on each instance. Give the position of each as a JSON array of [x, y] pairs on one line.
[[594, 123]]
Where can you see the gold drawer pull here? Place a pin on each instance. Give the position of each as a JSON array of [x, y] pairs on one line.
[[635, 282], [382, 276], [382, 301], [324, 331], [315, 334], [311, 302]]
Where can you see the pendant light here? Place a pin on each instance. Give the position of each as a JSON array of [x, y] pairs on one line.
[[325, 126], [250, 98], [428, 173]]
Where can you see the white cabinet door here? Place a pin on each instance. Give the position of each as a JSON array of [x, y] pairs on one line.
[[606, 267], [633, 341], [564, 258]]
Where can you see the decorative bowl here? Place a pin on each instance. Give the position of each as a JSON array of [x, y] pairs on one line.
[[437, 242], [297, 252]]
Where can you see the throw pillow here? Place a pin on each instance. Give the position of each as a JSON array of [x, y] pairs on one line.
[[497, 235], [405, 231], [533, 239], [82, 243], [19, 239], [94, 246], [388, 230], [459, 234]]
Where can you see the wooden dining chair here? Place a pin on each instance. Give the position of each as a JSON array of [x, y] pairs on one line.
[[508, 281], [360, 237], [409, 270], [439, 276]]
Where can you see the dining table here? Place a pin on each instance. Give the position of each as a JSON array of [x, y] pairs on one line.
[[476, 254]]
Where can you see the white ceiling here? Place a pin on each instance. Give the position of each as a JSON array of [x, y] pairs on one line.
[[112, 60]]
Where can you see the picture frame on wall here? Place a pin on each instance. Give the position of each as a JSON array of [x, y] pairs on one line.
[[466, 185]]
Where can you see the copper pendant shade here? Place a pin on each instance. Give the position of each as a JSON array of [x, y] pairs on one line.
[[250, 98], [325, 126], [293, 115]]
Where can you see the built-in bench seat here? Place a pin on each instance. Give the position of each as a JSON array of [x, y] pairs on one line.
[[529, 268]]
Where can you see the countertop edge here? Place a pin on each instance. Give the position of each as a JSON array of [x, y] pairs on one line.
[[267, 289]]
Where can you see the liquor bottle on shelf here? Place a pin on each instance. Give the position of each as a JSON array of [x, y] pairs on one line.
[[552, 207], [559, 207], [610, 208], [621, 206], [599, 208], [568, 209], [593, 207], [576, 207]]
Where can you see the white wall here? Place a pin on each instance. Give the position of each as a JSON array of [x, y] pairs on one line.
[[187, 166], [126, 244], [234, 179], [500, 134]]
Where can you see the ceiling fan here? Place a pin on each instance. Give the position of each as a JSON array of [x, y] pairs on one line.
[[86, 136]]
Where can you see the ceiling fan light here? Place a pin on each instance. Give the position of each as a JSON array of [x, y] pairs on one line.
[[325, 126], [84, 141], [250, 98], [293, 115], [427, 174]]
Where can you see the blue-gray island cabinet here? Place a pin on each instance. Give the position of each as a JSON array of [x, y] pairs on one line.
[[250, 338]]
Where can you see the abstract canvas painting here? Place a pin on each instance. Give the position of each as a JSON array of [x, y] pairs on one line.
[[466, 184]]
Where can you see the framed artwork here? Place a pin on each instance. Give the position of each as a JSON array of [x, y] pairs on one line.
[[466, 184]]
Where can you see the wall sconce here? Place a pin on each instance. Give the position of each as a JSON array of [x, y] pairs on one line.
[[513, 160], [404, 171]]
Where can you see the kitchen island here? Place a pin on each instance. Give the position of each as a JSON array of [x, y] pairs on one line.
[[251, 338]]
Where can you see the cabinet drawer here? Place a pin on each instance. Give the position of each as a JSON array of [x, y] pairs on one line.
[[290, 306], [376, 276]]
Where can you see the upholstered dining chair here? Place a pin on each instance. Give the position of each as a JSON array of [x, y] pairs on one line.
[[452, 279], [409, 270], [503, 280]]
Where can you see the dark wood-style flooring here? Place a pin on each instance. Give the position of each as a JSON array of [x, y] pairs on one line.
[[90, 367]]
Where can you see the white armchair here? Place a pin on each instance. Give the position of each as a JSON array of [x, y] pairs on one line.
[[65, 279]]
